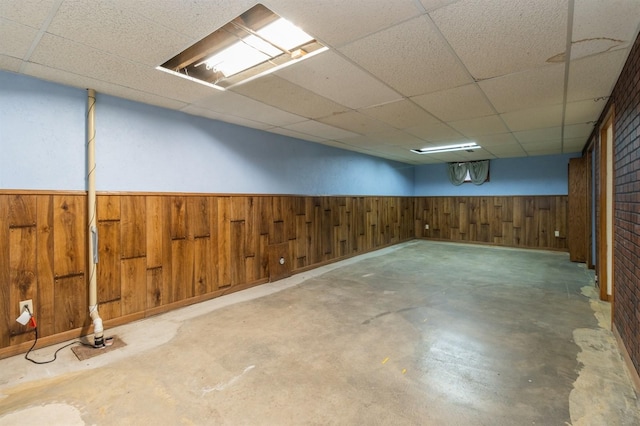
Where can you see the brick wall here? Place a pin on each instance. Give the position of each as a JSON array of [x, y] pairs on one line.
[[626, 99]]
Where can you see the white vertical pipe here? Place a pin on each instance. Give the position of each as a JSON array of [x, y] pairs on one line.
[[92, 230]]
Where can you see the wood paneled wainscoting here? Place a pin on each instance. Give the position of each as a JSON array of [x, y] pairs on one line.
[[161, 251], [516, 221]]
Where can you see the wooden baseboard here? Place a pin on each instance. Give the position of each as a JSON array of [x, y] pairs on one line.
[[633, 373]]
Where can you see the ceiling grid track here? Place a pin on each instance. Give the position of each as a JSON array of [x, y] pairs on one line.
[[567, 65], [473, 79], [43, 29]]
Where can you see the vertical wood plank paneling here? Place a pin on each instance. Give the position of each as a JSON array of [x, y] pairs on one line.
[[167, 257], [178, 218], [45, 307], [108, 268], [251, 233], [197, 217], [224, 247], [133, 227], [506, 220], [202, 266], [110, 310], [5, 309], [154, 223], [69, 242], [578, 226], [134, 285], [22, 210], [182, 265], [154, 287], [237, 252], [71, 303], [22, 271], [108, 207], [190, 246], [213, 243]]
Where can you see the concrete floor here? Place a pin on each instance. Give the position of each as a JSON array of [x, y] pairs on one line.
[[420, 333]]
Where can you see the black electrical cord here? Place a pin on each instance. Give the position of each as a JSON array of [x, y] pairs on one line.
[[55, 354]]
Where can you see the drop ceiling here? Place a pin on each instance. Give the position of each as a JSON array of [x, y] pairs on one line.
[[519, 77]]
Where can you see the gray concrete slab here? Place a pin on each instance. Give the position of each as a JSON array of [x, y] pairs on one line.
[[420, 333]]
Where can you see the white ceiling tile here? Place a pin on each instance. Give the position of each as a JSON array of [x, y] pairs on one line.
[[594, 76], [230, 103], [435, 132], [541, 145], [9, 63], [511, 150], [393, 138], [364, 141], [28, 12], [431, 5], [537, 135], [503, 36], [534, 118], [526, 89], [445, 157], [412, 58], [20, 41], [75, 80], [543, 151], [63, 54], [400, 114], [290, 97], [188, 17], [501, 139], [315, 128], [114, 30], [611, 20], [476, 155], [294, 134], [584, 111], [241, 121], [335, 78], [337, 21], [357, 123], [578, 131], [454, 104], [574, 144], [472, 127]]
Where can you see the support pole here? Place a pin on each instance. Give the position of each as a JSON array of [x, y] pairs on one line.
[[92, 231]]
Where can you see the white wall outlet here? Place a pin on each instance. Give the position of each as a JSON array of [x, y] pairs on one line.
[[557, 233], [426, 226], [27, 303]]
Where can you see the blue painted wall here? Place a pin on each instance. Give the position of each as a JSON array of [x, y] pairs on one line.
[[541, 175], [42, 134], [145, 148]]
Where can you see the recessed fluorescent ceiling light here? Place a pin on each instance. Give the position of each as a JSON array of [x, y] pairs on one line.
[[447, 148], [254, 44]]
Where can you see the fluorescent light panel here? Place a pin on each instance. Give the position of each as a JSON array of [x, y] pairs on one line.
[[447, 148], [254, 44], [253, 50]]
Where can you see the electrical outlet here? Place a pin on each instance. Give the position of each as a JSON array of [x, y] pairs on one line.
[[557, 233], [27, 303], [426, 227]]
